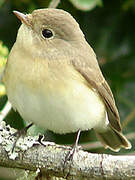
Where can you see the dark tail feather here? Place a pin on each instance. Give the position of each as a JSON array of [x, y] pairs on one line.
[[113, 139]]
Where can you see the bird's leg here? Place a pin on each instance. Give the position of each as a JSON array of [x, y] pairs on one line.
[[74, 148], [20, 133]]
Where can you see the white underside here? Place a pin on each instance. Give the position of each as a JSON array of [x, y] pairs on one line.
[[79, 108]]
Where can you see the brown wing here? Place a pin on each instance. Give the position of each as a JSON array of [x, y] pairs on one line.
[[91, 72]]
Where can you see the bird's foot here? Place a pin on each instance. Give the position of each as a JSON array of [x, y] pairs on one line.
[[20, 133], [75, 148]]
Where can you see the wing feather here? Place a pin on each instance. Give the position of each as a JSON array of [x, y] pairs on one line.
[[91, 72]]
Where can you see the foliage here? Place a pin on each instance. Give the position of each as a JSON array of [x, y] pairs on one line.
[[86, 5], [3, 60]]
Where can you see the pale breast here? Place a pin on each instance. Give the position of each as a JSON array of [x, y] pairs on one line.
[[53, 96], [77, 107]]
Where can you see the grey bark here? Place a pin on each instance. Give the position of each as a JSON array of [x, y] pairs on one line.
[[49, 158]]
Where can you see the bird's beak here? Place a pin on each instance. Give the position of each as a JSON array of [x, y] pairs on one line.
[[23, 18]]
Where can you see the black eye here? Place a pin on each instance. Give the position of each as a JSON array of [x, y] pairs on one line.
[[47, 33]]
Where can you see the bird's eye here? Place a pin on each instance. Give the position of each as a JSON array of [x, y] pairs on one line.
[[47, 33]]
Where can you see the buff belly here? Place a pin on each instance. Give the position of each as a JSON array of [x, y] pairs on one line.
[[61, 111]]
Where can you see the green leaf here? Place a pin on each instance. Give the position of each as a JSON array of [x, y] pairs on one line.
[[128, 4], [86, 5], [1, 2]]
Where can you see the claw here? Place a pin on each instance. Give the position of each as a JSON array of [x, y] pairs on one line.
[[75, 148], [20, 133]]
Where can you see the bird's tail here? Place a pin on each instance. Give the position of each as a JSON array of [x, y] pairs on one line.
[[113, 139]]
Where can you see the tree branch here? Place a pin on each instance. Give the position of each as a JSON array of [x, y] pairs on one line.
[[29, 154], [5, 110], [54, 3]]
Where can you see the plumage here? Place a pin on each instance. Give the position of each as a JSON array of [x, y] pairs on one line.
[[56, 82]]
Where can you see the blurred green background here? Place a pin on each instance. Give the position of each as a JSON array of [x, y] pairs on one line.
[[109, 27]]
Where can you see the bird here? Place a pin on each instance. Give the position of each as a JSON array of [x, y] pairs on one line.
[[53, 79]]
